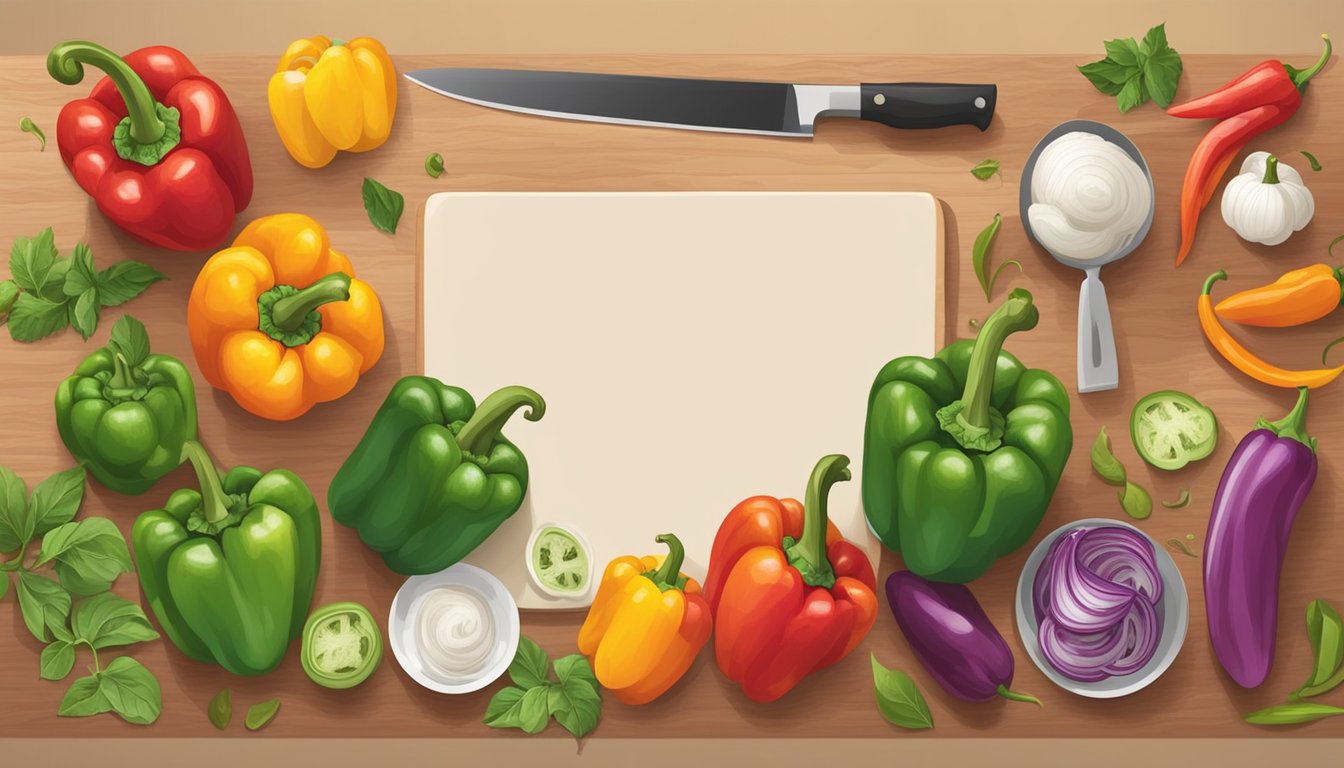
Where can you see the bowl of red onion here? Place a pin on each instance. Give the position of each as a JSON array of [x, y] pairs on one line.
[[1101, 609]]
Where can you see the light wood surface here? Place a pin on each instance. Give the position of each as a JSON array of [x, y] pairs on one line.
[[1153, 308]]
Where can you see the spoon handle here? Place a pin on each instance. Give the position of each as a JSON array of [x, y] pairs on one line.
[[1098, 369]]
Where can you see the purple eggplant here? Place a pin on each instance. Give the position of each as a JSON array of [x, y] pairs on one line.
[[953, 638], [1264, 485]]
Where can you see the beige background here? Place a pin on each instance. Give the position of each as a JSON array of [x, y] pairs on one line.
[[678, 26]]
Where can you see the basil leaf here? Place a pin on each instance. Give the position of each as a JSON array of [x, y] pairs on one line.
[[899, 699], [44, 604], [1104, 462], [54, 288], [383, 205], [30, 260], [85, 698], [57, 661], [56, 500], [261, 714], [985, 169], [130, 338], [502, 711], [980, 257], [575, 667], [530, 665], [9, 294], [84, 313], [89, 555], [534, 712], [125, 280], [220, 710], [1315, 164], [1123, 51], [81, 275], [1106, 75], [575, 704], [16, 524], [1131, 94], [1161, 74], [34, 317], [107, 620], [434, 165], [1293, 714], [132, 691], [1135, 501]]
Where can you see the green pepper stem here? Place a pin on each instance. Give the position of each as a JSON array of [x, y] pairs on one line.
[[1210, 280], [670, 573], [1271, 170], [214, 502], [1294, 425], [121, 374], [290, 312], [1301, 76], [66, 63], [808, 554], [481, 430], [971, 421], [1012, 695]]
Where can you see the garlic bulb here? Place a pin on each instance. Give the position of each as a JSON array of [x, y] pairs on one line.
[[1267, 201]]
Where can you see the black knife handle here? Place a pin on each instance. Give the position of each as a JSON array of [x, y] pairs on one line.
[[928, 105]]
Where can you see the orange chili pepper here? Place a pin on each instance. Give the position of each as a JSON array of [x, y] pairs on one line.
[[1298, 297], [1246, 361]]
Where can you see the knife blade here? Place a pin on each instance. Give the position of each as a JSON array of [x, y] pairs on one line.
[[730, 106]]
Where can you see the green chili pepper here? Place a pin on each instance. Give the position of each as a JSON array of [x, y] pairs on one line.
[[28, 126], [1293, 714], [434, 165]]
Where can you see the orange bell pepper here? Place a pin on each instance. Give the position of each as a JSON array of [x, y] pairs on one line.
[[279, 321], [1297, 297], [789, 594], [646, 626]]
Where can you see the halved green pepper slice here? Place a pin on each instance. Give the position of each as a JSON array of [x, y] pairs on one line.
[[1171, 429], [341, 645]]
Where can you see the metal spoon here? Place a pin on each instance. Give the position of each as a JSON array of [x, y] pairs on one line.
[[1098, 368]]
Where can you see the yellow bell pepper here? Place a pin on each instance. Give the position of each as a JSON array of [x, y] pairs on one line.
[[646, 625], [329, 96]]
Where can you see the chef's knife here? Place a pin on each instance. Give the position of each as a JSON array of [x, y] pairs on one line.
[[733, 106]]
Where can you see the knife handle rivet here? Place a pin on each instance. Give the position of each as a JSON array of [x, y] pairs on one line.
[[879, 99], [979, 102]]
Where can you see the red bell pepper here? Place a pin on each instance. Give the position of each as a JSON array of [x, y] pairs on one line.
[[789, 594], [156, 145], [1265, 96]]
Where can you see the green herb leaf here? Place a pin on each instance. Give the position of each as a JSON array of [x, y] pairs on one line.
[[57, 661], [434, 165], [1136, 72], [530, 665], [125, 280], [89, 555], [28, 126], [1107, 76], [1325, 632], [1178, 546], [9, 294], [383, 205], [84, 313], [1135, 501], [106, 620], [1315, 164], [85, 698], [576, 667], [34, 318], [56, 500], [980, 255], [220, 710], [534, 712], [899, 699], [54, 288], [1104, 462], [1181, 502], [1131, 94], [985, 169], [132, 691], [502, 711], [16, 524], [130, 338], [31, 259], [1123, 51], [575, 703], [81, 275], [1293, 714], [1161, 66], [258, 715], [44, 604]]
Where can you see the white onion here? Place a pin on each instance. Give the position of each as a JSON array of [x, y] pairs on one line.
[[1089, 198]]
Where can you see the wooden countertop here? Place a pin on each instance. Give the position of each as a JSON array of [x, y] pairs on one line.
[[1153, 307]]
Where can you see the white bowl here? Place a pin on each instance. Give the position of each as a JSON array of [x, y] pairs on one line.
[[1173, 608], [406, 605], [532, 570]]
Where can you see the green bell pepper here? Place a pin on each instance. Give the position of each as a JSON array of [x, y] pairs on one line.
[[954, 484], [229, 571], [433, 477], [126, 413]]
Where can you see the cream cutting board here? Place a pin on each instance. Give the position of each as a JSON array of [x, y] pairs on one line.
[[693, 349]]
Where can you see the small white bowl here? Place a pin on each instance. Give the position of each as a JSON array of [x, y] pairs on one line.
[[532, 570], [1173, 608], [401, 628]]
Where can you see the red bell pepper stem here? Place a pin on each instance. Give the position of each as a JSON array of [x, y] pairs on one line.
[[214, 502], [669, 575], [147, 127], [1301, 76], [482, 429], [808, 554]]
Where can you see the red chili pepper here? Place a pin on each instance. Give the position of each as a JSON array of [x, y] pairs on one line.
[[1265, 96], [789, 594], [156, 145]]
